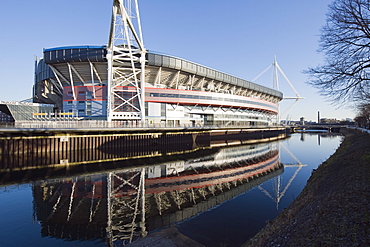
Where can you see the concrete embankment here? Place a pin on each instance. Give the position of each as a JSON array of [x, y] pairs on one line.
[[333, 209], [30, 149]]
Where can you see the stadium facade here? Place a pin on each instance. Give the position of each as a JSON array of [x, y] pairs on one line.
[[177, 91]]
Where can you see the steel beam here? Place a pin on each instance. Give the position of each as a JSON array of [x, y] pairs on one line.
[[126, 64]]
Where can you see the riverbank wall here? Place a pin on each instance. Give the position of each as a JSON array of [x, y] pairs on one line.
[[27, 148], [333, 209]]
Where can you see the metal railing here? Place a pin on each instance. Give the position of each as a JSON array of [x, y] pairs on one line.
[[363, 130], [101, 124]]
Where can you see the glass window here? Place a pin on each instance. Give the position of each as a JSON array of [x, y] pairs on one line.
[[88, 95], [163, 110]]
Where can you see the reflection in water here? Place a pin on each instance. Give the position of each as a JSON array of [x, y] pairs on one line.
[[103, 203], [121, 205], [279, 190]]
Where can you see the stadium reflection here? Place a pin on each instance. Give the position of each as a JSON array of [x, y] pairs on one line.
[[119, 206]]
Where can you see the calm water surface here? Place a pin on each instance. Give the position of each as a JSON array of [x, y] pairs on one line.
[[217, 199]]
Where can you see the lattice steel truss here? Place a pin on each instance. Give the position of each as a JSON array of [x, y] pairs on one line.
[[126, 206], [126, 63]]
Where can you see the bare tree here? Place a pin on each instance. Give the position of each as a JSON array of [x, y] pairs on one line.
[[345, 41], [363, 116]]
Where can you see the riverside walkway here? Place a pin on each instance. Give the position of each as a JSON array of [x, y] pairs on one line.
[[333, 209]]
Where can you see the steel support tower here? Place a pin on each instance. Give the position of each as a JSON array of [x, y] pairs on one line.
[[126, 64], [126, 206]]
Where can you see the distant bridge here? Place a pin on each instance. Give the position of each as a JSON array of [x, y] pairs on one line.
[[317, 128]]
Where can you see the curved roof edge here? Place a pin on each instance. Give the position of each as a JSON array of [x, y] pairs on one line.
[[169, 61], [81, 53], [75, 47]]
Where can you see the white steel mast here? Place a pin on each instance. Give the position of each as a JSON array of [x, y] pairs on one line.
[[275, 82], [126, 64]]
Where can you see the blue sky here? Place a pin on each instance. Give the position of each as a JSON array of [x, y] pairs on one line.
[[239, 37]]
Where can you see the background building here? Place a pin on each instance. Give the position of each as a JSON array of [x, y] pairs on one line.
[[24, 111]]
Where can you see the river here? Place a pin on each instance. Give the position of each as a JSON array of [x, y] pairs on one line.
[[219, 198]]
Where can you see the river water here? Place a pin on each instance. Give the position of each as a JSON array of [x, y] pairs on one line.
[[219, 198]]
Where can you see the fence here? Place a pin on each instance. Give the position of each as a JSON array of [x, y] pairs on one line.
[[363, 130], [100, 124]]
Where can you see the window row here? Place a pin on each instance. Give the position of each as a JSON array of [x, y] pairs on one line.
[[189, 96]]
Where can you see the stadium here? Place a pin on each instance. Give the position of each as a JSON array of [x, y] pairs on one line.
[[177, 91], [123, 81]]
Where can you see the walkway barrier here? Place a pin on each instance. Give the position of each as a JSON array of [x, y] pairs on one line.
[[363, 130], [100, 124]]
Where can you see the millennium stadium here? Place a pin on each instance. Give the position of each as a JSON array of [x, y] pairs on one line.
[[122, 81]]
